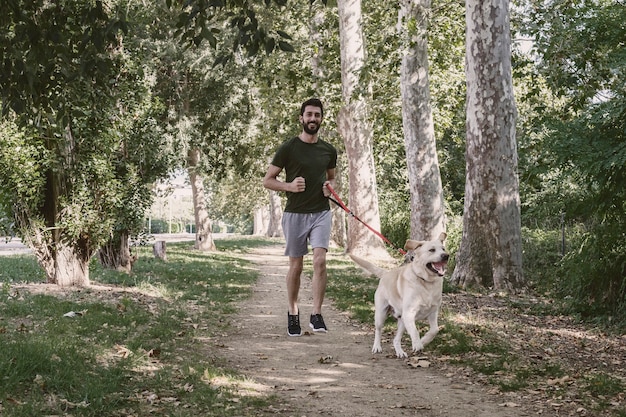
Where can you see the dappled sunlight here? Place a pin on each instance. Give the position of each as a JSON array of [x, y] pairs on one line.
[[157, 291], [302, 379], [242, 387], [240, 286], [578, 334], [502, 325], [115, 291]]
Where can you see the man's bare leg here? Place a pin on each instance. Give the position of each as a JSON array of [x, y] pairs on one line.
[[319, 279], [293, 283]]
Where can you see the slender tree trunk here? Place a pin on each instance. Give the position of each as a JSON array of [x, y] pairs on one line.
[[491, 251], [339, 233], [318, 15], [116, 253], [204, 234], [427, 203], [261, 221], [275, 228], [355, 128]]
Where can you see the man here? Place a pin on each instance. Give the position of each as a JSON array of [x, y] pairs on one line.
[[309, 164]]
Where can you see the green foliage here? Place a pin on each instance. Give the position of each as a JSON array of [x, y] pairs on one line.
[[595, 273], [542, 252], [49, 46], [202, 20], [579, 146]]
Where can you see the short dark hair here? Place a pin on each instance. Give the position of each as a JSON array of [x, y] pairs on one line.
[[315, 102]]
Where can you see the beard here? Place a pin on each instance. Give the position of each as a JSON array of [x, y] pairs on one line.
[[311, 128]]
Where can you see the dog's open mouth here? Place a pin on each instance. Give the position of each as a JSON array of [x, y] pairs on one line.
[[437, 267]]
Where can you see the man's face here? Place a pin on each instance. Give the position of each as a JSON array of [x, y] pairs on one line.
[[311, 119]]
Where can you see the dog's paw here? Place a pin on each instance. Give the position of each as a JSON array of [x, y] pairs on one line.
[[377, 349], [418, 347], [401, 354]]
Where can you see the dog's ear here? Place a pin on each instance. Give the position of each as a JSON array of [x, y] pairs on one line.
[[442, 237], [412, 244]]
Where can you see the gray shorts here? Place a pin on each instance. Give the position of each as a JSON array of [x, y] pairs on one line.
[[302, 228]]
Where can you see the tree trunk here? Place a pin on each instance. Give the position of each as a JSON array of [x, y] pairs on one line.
[[204, 234], [261, 221], [64, 260], [64, 265], [116, 253], [160, 250], [71, 266], [339, 234], [275, 228], [491, 251], [318, 14], [355, 128], [426, 193]]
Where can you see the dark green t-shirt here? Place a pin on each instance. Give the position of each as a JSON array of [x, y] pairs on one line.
[[310, 161]]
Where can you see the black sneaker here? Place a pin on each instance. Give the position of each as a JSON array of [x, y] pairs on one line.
[[317, 323], [293, 325]]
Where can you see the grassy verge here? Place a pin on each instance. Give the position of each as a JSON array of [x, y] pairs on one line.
[[138, 344]]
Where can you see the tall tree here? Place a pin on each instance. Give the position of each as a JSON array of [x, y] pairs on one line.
[[355, 129], [59, 82], [490, 253], [145, 153], [427, 204], [206, 103]]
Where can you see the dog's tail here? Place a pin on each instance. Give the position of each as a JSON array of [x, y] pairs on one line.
[[368, 266]]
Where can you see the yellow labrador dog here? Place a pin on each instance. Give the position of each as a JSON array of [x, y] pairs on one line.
[[410, 292]]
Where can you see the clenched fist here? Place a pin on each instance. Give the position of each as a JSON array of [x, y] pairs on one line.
[[298, 185]]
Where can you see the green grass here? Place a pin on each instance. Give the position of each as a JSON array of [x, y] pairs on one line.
[[137, 349]]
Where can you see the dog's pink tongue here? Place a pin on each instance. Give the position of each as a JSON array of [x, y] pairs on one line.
[[439, 267]]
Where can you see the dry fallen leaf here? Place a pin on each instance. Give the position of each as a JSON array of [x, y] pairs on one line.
[[122, 351], [419, 362], [558, 381]]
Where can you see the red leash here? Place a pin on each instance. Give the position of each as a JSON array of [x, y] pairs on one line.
[[335, 199]]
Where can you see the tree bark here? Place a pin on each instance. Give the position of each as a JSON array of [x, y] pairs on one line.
[[71, 266], [339, 233], [275, 228], [318, 14], [490, 253], [426, 192], [116, 253], [355, 128], [65, 259], [160, 250], [261, 221], [204, 234]]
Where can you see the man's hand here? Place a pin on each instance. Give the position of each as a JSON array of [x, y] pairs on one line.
[[298, 185], [325, 189]]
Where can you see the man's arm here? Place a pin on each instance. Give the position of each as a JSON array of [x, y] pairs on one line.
[[330, 179], [271, 182]]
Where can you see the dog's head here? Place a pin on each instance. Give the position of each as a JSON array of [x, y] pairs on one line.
[[430, 255]]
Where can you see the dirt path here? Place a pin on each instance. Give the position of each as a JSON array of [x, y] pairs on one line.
[[335, 373]]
